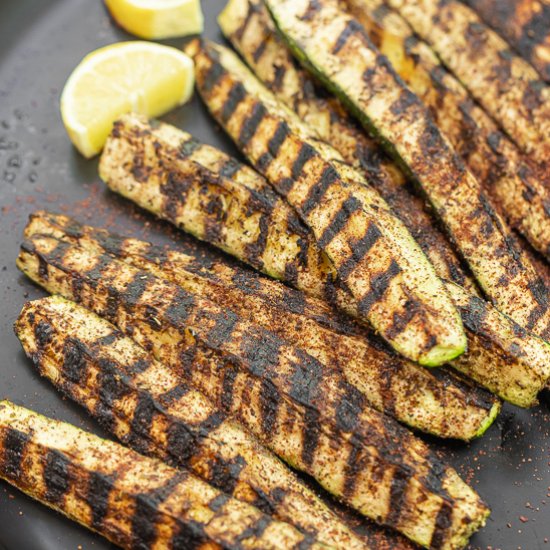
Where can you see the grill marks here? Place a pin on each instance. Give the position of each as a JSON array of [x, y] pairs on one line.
[[177, 425], [148, 503], [524, 24], [309, 176], [305, 382], [56, 476]]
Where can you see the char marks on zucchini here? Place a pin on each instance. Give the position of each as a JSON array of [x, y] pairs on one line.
[[373, 253], [277, 391], [365, 80], [515, 368], [247, 25], [151, 410], [513, 185], [411, 394], [132, 500], [504, 84], [525, 24]]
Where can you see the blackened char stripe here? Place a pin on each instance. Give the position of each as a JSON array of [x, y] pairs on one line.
[[278, 138], [56, 476], [212, 76], [146, 513], [306, 153], [256, 530], [360, 249], [221, 332], [14, 448], [74, 365], [317, 191], [229, 168], [352, 26], [258, 52], [228, 386], [379, 284], [443, 521], [398, 493], [236, 94], [188, 147], [339, 221], [218, 502], [251, 123], [189, 535], [142, 421], [310, 436], [270, 401], [225, 474], [99, 488]]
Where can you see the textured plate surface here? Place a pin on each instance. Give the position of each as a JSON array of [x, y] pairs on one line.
[[40, 43]]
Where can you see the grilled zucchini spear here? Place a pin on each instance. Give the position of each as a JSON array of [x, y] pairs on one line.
[[336, 47], [247, 25], [495, 161], [132, 500], [376, 258], [218, 201], [276, 390], [525, 24], [148, 408], [436, 403], [505, 85]]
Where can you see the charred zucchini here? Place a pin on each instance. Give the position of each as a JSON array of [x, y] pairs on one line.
[[132, 500], [248, 27], [505, 85], [151, 410], [285, 397], [337, 48], [411, 394], [525, 24], [377, 260], [517, 378], [496, 162]]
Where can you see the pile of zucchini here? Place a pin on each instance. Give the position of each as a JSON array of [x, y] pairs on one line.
[[396, 220]]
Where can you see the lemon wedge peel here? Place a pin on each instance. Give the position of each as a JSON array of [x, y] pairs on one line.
[[143, 77], [158, 19]]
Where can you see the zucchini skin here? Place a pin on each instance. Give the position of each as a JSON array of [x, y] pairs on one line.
[[376, 258], [504, 84], [401, 389], [492, 336], [496, 162], [247, 25], [132, 500], [406, 128], [319, 427], [525, 24], [150, 410]]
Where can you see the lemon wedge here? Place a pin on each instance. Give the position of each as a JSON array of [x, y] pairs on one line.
[[158, 19], [141, 77]]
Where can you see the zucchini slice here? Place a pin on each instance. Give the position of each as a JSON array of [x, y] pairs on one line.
[[247, 25], [411, 394], [132, 500], [151, 410], [495, 161], [504, 84], [281, 394], [497, 360], [338, 50], [525, 24], [376, 258]]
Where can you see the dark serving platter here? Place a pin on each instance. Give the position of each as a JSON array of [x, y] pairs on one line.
[[40, 43]]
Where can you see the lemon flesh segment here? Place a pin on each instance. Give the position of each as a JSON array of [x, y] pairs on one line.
[[141, 77], [158, 19]]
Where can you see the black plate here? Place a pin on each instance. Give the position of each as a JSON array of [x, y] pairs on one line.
[[40, 43]]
